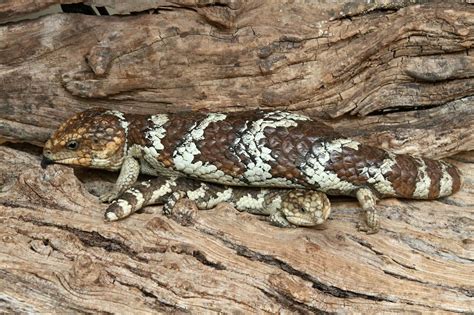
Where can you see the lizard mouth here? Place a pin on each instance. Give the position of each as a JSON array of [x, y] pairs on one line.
[[83, 162], [45, 162], [67, 161]]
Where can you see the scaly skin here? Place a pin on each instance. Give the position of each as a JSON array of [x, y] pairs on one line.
[[260, 149], [285, 207]]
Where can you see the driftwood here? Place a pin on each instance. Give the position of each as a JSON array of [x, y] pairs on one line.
[[248, 55], [399, 76], [58, 254]]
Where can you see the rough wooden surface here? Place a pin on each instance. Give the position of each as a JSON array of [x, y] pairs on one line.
[[243, 55], [325, 9], [58, 254], [351, 63]]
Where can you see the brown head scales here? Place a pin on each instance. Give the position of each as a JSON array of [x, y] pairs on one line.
[[95, 138]]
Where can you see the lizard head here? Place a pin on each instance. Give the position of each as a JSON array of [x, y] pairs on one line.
[[306, 207], [95, 138]]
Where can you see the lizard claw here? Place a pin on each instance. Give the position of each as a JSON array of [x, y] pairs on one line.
[[362, 227], [109, 196], [279, 219]]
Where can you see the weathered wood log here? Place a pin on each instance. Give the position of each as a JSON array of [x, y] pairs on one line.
[[257, 56], [57, 253], [392, 74]]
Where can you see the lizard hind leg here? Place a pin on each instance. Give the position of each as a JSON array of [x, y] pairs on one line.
[[172, 201], [368, 201]]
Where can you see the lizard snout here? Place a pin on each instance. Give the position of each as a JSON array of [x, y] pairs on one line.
[[46, 161]]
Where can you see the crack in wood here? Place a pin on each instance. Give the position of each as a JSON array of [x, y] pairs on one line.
[[202, 259], [374, 11], [365, 244], [402, 109], [197, 254], [294, 305], [466, 292], [325, 288], [165, 306], [92, 239], [246, 252]]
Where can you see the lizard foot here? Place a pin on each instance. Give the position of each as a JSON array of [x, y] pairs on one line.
[[109, 196], [371, 224], [185, 212], [278, 219], [127, 177], [368, 202], [363, 227], [171, 202]]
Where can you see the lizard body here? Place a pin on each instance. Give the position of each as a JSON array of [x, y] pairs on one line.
[[260, 149]]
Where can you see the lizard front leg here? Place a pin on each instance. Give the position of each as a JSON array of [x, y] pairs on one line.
[[158, 190], [128, 176]]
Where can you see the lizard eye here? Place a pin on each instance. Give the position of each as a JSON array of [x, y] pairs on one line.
[[72, 145], [303, 209]]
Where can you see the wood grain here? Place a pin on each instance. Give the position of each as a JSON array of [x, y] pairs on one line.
[[226, 56], [394, 74], [58, 253]]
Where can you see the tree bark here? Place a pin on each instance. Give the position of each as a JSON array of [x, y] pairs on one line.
[[396, 74]]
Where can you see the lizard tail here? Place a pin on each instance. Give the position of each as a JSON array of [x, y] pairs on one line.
[[419, 178]]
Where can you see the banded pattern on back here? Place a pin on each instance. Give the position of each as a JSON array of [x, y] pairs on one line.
[[280, 149]]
